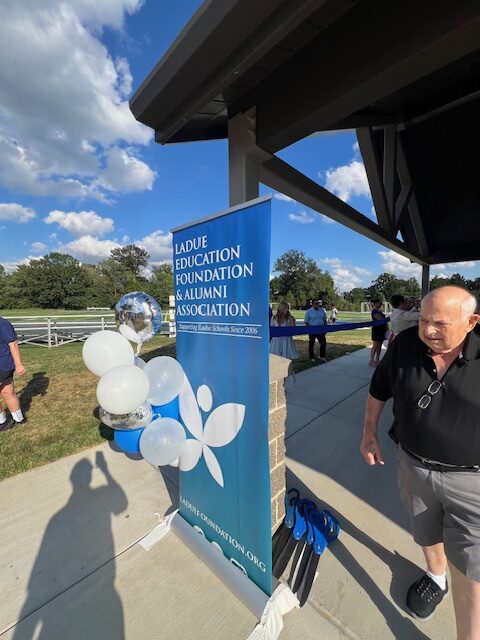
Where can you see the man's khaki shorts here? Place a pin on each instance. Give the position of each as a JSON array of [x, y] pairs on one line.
[[443, 507]]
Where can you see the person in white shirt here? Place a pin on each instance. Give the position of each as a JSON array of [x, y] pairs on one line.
[[333, 314], [403, 315]]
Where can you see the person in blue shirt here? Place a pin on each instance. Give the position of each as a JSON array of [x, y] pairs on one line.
[[10, 363], [316, 316]]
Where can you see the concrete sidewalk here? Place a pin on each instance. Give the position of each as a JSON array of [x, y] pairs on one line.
[[71, 565]]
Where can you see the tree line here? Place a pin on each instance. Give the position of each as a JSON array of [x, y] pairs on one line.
[[299, 280], [60, 281]]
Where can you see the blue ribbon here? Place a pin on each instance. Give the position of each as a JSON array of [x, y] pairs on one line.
[[276, 332]]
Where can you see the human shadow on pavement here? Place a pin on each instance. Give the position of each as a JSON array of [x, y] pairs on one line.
[[403, 571], [75, 566], [169, 474], [36, 386]]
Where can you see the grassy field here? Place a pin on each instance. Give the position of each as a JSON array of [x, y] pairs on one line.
[[58, 397], [343, 316]]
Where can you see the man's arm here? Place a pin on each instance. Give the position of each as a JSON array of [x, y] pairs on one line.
[[307, 317], [15, 351], [370, 446]]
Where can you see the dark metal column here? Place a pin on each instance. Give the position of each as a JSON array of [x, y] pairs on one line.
[[425, 279]]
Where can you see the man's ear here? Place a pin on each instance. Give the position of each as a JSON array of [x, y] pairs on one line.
[[472, 321]]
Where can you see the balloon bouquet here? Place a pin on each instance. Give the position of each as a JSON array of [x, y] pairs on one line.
[[138, 399]]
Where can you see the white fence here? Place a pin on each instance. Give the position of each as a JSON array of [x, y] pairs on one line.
[[54, 332]]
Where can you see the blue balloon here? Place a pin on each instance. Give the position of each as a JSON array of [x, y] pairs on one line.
[[169, 410], [128, 441]]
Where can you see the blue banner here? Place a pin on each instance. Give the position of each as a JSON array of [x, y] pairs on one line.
[[221, 275]]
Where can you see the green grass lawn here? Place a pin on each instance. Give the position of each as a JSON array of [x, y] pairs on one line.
[[338, 344], [343, 316], [58, 397]]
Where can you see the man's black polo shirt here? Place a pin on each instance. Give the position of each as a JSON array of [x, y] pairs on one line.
[[448, 430]]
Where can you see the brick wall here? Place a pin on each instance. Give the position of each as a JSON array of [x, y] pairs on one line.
[[279, 369]]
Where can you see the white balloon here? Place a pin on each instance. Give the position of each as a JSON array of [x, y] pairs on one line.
[[166, 379], [139, 362], [128, 333], [162, 441], [122, 389], [105, 350]]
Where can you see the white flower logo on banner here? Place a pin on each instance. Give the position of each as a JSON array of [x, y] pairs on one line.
[[221, 427]]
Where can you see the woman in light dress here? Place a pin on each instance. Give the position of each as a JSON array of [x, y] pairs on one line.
[[283, 345]]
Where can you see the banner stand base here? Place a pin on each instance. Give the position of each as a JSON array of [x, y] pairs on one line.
[[269, 611]]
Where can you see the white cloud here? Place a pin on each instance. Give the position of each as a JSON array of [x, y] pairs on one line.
[[283, 197], [125, 78], [107, 13], [89, 249], [158, 245], [38, 247], [402, 267], [348, 180], [469, 264], [62, 97], [399, 265], [12, 265], [345, 277], [326, 219], [80, 223], [362, 272], [302, 217], [16, 212], [125, 172], [332, 262], [447, 270]]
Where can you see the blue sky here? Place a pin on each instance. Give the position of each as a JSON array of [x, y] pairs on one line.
[[79, 174]]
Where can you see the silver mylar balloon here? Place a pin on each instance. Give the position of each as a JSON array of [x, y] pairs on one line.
[[138, 316], [133, 420]]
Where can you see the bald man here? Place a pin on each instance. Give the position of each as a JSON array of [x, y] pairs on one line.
[[433, 375]]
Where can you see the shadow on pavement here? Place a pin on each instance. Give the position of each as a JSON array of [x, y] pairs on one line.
[[403, 571], [76, 543]]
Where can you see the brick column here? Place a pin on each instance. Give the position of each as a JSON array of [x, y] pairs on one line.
[[279, 370]]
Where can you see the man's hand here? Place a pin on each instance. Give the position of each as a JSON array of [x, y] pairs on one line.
[[371, 451], [20, 370]]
